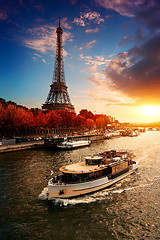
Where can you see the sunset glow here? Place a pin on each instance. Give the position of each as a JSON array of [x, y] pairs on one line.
[[150, 110]]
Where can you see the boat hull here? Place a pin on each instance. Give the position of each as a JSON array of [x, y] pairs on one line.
[[72, 148], [78, 189]]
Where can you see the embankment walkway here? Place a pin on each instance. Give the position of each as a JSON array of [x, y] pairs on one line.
[[22, 146]]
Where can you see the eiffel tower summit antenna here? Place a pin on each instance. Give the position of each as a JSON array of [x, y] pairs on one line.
[[58, 97]]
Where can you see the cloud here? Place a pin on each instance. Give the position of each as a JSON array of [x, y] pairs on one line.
[[150, 16], [136, 73], [79, 21], [126, 8], [87, 45], [125, 40], [101, 93], [87, 17], [90, 44], [118, 101], [94, 30], [100, 89], [3, 16], [97, 79], [108, 16], [43, 38], [97, 60], [64, 23], [139, 35], [38, 57], [94, 16], [43, 60], [92, 68]]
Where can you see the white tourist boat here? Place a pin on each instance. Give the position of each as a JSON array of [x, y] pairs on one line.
[[95, 173], [68, 145]]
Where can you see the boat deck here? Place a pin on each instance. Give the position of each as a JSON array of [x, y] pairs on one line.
[[80, 168]]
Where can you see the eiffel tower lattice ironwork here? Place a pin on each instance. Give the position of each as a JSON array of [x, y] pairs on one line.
[[58, 97]]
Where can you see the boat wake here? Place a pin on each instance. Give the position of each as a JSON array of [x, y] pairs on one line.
[[43, 194]]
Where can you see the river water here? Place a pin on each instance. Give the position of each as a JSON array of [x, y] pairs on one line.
[[128, 210]]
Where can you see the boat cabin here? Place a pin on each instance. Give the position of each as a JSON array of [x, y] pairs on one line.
[[110, 164], [93, 160]]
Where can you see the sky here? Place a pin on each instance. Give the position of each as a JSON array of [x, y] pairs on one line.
[[111, 54]]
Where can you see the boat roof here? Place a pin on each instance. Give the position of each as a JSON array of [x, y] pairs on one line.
[[81, 167]]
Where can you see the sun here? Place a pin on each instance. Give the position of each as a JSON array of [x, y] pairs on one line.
[[150, 110]]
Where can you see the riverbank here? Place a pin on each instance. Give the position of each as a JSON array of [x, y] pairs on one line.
[[50, 143], [53, 141], [21, 146]]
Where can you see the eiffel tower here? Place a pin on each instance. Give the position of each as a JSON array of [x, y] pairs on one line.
[[58, 97]]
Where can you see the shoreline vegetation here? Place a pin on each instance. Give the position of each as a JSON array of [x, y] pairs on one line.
[[17, 121]]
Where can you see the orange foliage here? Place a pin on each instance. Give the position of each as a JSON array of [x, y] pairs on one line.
[[80, 121], [39, 119], [14, 117], [89, 123], [54, 119], [86, 114], [68, 118], [102, 121]]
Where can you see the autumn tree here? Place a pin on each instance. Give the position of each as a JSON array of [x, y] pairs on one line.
[[39, 119], [80, 121], [102, 121], [86, 114], [68, 118], [54, 119], [89, 123], [9, 118], [13, 119], [23, 119]]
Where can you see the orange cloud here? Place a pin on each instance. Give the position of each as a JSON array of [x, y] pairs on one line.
[[125, 7], [137, 72], [43, 38], [64, 23], [97, 60], [90, 44], [88, 16], [94, 30]]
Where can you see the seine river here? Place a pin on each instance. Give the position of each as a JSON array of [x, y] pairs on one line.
[[128, 210]]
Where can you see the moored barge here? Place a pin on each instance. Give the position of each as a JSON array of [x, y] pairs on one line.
[[97, 172]]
